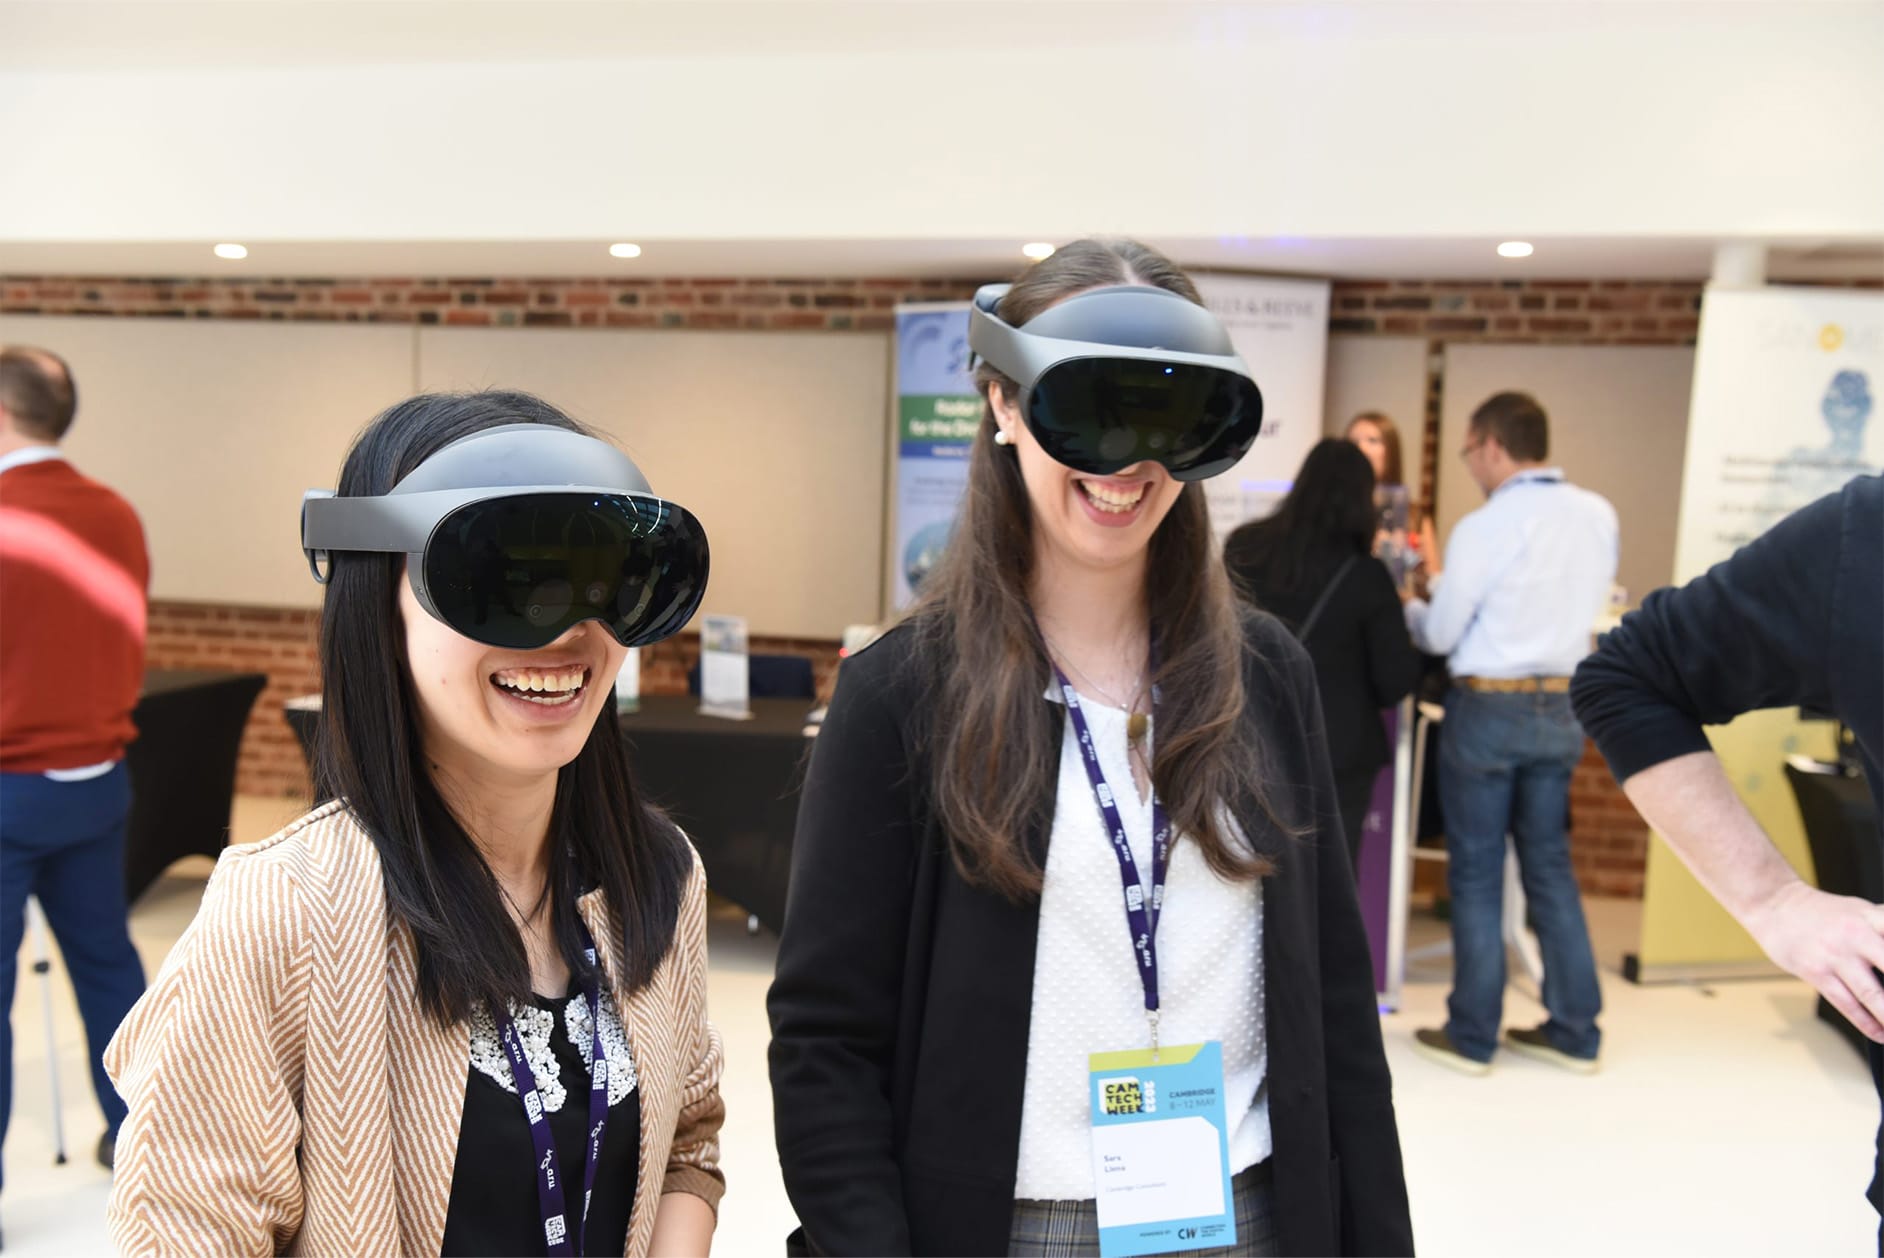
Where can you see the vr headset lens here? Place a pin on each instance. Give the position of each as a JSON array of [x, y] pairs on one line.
[[519, 572], [1101, 415]]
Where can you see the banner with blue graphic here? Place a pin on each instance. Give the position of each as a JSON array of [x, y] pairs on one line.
[[937, 411]]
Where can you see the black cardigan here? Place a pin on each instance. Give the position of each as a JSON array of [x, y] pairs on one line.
[[1364, 658], [903, 997]]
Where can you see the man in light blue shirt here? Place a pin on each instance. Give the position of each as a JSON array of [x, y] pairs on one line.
[[1525, 577]]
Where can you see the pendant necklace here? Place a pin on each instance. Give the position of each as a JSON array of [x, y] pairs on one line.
[[1137, 724]]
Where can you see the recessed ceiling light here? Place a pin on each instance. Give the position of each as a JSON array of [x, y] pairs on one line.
[[232, 252], [1515, 249], [624, 250], [1037, 250]]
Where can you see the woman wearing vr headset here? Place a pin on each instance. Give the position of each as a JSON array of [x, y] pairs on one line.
[[461, 1007], [1077, 810]]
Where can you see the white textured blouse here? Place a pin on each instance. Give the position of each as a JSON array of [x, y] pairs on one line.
[[1087, 995]]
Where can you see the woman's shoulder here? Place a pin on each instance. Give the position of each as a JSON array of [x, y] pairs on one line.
[[1270, 651], [326, 846], [1266, 637], [891, 651], [890, 671]]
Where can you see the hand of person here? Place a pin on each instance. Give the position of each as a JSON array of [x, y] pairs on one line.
[[1834, 942]]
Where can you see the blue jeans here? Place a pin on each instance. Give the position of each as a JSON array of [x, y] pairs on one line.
[[1504, 768], [64, 843]]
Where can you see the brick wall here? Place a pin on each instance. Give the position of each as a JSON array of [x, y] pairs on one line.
[[1608, 838], [778, 305], [1575, 312]]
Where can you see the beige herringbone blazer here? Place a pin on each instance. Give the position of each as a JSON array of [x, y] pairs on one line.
[[288, 1094]]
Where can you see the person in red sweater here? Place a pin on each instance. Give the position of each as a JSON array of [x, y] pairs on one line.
[[73, 579]]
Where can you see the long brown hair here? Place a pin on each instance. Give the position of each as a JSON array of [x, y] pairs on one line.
[[1389, 437], [992, 734]]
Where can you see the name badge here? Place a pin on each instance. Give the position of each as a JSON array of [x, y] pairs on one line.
[[1161, 1151]]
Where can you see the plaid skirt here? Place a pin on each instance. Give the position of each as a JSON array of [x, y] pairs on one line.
[[1070, 1229]]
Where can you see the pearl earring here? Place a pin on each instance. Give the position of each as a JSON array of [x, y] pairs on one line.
[[1001, 438]]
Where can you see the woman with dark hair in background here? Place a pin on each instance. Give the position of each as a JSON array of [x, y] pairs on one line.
[[1076, 669], [460, 1008], [1309, 563]]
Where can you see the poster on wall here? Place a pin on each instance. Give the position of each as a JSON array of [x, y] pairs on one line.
[[1784, 412], [936, 412], [1280, 328], [1785, 385]]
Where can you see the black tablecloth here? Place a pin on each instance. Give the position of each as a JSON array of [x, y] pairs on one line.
[[1841, 826], [183, 767], [732, 785]]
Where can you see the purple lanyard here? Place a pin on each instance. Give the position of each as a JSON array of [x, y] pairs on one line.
[[1141, 917], [549, 1180]]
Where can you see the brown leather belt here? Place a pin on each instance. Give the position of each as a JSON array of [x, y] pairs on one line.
[[1516, 685]]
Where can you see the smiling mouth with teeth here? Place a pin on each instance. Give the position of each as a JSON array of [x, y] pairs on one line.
[[1113, 501], [549, 687]]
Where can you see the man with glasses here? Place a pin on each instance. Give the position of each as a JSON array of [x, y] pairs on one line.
[[1525, 577]]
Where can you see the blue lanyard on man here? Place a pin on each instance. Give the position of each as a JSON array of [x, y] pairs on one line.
[[1140, 915], [549, 1179]]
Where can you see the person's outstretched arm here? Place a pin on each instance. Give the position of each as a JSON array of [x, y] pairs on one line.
[[1756, 631]]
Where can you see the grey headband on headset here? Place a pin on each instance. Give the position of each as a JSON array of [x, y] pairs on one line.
[[502, 462], [1133, 321]]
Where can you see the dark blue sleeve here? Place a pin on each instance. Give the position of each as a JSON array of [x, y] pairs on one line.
[[1755, 631]]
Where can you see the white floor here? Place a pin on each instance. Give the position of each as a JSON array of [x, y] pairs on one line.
[[1727, 1120]]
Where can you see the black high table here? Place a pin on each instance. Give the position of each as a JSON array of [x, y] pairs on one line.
[[1841, 825], [731, 785], [183, 768]]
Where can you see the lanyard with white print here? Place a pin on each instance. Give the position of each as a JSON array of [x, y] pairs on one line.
[[549, 1180], [1140, 915]]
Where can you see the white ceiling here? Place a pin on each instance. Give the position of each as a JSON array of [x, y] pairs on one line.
[[833, 137], [146, 34]]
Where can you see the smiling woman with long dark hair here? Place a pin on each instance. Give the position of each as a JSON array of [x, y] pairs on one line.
[[461, 1008], [1077, 669]]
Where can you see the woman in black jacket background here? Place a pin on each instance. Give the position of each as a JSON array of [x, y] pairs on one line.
[[1311, 565]]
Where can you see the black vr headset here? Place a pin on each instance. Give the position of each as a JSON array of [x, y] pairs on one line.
[[1122, 375], [515, 535]]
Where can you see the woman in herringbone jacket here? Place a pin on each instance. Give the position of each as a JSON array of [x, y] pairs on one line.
[[461, 1007]]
